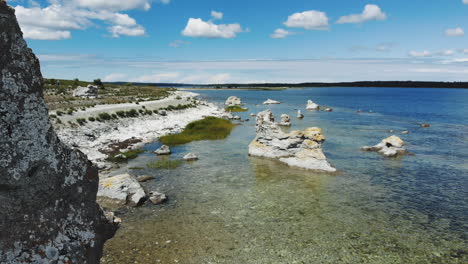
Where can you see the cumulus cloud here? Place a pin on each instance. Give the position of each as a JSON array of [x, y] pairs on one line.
[[216, 15], [310, 20], [280, 33], [371, 12], [60, 18], [197, 28], [454, 32], [420, 54]]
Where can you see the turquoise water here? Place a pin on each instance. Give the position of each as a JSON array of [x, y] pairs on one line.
[[231, 208]]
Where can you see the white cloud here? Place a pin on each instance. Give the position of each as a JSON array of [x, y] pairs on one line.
[[198, 28], [420, 53], [280, 33], [311, 20], [465, 2], [371, 12], [216, 15], [454, 32], [60, 18], [114, 77], [114, 5], [446, 52]]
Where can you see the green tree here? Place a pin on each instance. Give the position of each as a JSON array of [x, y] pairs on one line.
[[99, 83]]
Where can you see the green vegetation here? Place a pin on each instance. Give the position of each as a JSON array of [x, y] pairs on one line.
[[164, 164], [124, 156], [136, 168], [92, 119], [236, 108], [209, 128], [53, 116], [81, 121], [105, 116]]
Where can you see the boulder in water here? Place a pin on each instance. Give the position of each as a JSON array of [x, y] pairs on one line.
[[157, 198], [163, 150], [298, 148], [285, 120], [120, 190], [389, 147], [190, 157], [299, 114], [312, 106], [233, 101]]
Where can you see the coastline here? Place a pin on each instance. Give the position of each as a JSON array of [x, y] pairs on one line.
[[94, 137]]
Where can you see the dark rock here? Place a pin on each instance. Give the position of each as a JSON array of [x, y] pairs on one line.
[[425, 125], [48, 209]]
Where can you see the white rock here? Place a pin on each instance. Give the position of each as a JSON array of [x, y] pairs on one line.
[[299, 114], [90, 91], [389, 147], [163, 150], [233, 100], [157, 198], [312, 106], [190, 157], [269, 101], [253, 114], [285, 120], [298, 148], [120, 190]]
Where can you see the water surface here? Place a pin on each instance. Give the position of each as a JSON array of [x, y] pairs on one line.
[[231, 208]]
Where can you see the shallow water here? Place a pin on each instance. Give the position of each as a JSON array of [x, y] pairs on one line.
[[231, 208]]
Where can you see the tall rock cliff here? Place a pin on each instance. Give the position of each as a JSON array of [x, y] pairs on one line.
[[48, 209]]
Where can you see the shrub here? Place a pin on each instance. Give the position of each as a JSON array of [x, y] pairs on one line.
[[92, 119], [81, 121], [164, 164], [148, 112], [52, 116], [105, 116], [131, 113], [114, 116], [236, 108], [120, 113], [59, 113], [155, 111], [209, 128]]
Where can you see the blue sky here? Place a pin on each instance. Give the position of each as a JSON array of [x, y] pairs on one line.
[[213, 41]]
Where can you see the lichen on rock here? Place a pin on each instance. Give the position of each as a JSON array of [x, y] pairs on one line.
[[48, 209]]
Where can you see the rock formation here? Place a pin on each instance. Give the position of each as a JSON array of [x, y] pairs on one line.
[[285, 120], [389, 147], [190, 157], [120, 190], [233, 101], [48, 209], [298, 148], [299, 114], [163, 150], [269, 101], [312, 106], [90, 91]]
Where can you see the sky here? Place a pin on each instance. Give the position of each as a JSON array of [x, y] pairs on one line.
[[248, 41]]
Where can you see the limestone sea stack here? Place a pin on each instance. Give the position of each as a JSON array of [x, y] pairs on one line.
[[48, 209], [285, 120], [233, 101], [389, 147], [298, 148], [312, 106], [270, 101]]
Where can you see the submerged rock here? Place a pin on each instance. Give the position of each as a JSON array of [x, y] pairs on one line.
[[253, 114], [120, 190], [48, 209], [90, 91], [269, 101], [233, 101], [312, 106], [163, 150], [425, 125], [157, 198], [145, 178], [389, 147], [328, 109], [285, 120], [298, 148], [190, 157]]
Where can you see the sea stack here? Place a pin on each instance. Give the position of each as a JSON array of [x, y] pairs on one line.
[[312, 106], [48, 209], [301, 149], [285, 120], [233, 101], [389, 147]]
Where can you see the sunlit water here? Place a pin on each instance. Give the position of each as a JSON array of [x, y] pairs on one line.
[[231, 208]]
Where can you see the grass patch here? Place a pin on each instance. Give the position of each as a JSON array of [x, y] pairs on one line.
[[124, 156], [209, 128], [236, 108], [136, 168], [164, 164]]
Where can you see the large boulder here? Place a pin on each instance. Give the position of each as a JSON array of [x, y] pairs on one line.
[[389, 147], [120, 190], [312, 106], [298, 148], [285, 120], [90, 91], [48, 209], [233, 101]]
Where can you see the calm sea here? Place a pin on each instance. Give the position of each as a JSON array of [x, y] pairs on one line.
[[231, 208]]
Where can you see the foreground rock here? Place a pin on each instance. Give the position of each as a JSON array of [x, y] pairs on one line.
[[312, 106], [190, 157], [120, 190], [285, 120], [163, 150], [90, 91], [298, 148], [269, 101], [233, 101], [48, 209], [389, 147]]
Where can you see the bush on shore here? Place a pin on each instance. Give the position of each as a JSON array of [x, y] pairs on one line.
[[236, 108]]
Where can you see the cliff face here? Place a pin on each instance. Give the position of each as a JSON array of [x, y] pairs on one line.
[[48, 209]]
